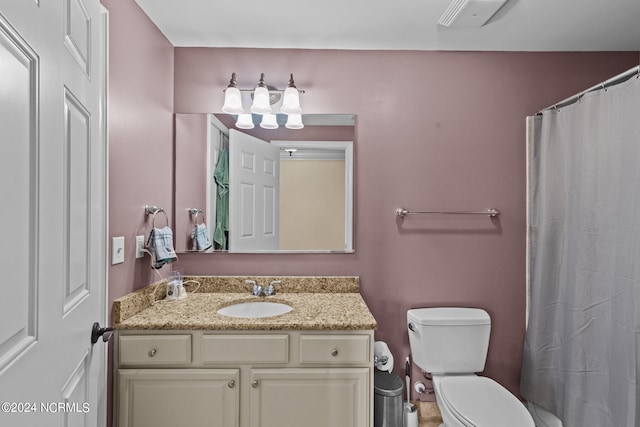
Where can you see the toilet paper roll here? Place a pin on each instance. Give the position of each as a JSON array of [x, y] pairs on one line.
[[382, 356]]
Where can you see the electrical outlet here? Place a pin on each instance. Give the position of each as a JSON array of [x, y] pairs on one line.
[[139, 246], [117, 250]]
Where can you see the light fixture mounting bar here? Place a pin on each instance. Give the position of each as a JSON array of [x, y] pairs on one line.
[[270, 90]]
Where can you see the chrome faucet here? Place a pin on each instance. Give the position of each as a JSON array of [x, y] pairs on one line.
[[257, 290], [271, 289]]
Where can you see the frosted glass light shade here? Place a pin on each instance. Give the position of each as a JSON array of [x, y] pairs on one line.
[[245, 121], [269, 122], [261, 103], [294, 121], [232, 101], [291, 101]]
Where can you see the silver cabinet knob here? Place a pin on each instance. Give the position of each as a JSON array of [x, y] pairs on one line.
[[334, 352], [255, 383], [231, 384], [152, 352]]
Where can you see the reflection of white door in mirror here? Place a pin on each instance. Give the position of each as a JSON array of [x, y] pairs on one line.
[[254, 191]]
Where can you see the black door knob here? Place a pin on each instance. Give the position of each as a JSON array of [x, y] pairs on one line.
[[97, 332]]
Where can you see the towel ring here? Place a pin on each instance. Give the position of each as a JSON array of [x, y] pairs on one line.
[[193, 212], [153, 210], [153, 218]]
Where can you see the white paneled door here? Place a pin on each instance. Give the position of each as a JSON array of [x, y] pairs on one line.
[[52, 212], [254, 193]]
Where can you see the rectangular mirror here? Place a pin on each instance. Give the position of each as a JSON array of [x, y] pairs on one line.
[[264, 190]]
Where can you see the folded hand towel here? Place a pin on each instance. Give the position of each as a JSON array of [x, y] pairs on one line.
[[160, 244], [200, 237]]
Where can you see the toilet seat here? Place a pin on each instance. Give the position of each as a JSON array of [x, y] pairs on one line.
[[481, 402]]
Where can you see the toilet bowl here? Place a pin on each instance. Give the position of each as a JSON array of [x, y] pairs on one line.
[[542, 417], [451, 343], [474, 401]]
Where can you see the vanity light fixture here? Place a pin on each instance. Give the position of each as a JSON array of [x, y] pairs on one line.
[[232, 98], [261, 103], [291, 101], [264, 97]]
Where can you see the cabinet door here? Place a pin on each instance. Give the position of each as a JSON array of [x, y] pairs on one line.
[[178, 397], [336, 397]]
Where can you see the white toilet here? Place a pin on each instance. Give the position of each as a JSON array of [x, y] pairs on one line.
[[451, 344]]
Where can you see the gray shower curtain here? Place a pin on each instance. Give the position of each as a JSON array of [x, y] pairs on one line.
[[581, 356]]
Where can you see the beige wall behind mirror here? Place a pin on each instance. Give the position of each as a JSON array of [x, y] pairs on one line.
[[310, 207]]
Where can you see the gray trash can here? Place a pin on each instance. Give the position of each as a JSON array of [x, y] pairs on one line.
[[387, 401]]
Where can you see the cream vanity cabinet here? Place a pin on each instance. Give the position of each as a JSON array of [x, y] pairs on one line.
[[244, 378]]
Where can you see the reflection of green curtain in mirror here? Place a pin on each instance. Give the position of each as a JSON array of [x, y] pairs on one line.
[[221, 178]]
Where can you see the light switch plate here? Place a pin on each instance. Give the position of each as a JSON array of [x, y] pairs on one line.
[[117, 250], [139, 246]]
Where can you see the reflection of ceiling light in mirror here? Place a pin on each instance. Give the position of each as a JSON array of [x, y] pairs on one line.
[[291, 102], [232, 98], [261, 103], [269, 121], [290, 150], [294, 121], [245, 121]]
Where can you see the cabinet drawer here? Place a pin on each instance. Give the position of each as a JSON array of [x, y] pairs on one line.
[[334, 349], [155, 349], [245, 348]]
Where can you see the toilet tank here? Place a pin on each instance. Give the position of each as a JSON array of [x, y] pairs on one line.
[[449, 339]]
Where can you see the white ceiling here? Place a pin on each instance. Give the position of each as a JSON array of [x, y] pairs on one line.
[[521, 25]]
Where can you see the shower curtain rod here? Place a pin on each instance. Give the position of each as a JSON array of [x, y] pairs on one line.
[[620, 78]]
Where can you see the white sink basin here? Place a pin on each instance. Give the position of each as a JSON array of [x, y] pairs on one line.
[[255, 310]]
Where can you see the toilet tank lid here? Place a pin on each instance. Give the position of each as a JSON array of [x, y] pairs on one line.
[[449, 316]]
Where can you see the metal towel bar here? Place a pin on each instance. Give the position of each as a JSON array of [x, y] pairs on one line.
[[401, 212]]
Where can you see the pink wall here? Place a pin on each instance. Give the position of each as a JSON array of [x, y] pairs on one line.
[[308, 133], [435, 130], [191, 171], [140, 135], [140, 139]]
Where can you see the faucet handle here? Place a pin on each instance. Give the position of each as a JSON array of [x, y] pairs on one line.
[[256, 289], [271, 290]]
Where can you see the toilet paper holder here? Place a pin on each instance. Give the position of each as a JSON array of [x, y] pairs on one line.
[[380, 359]]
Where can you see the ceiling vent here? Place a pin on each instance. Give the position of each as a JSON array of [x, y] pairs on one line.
[[470, 13]]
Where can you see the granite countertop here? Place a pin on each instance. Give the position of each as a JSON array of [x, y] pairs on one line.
[[319, 303]]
